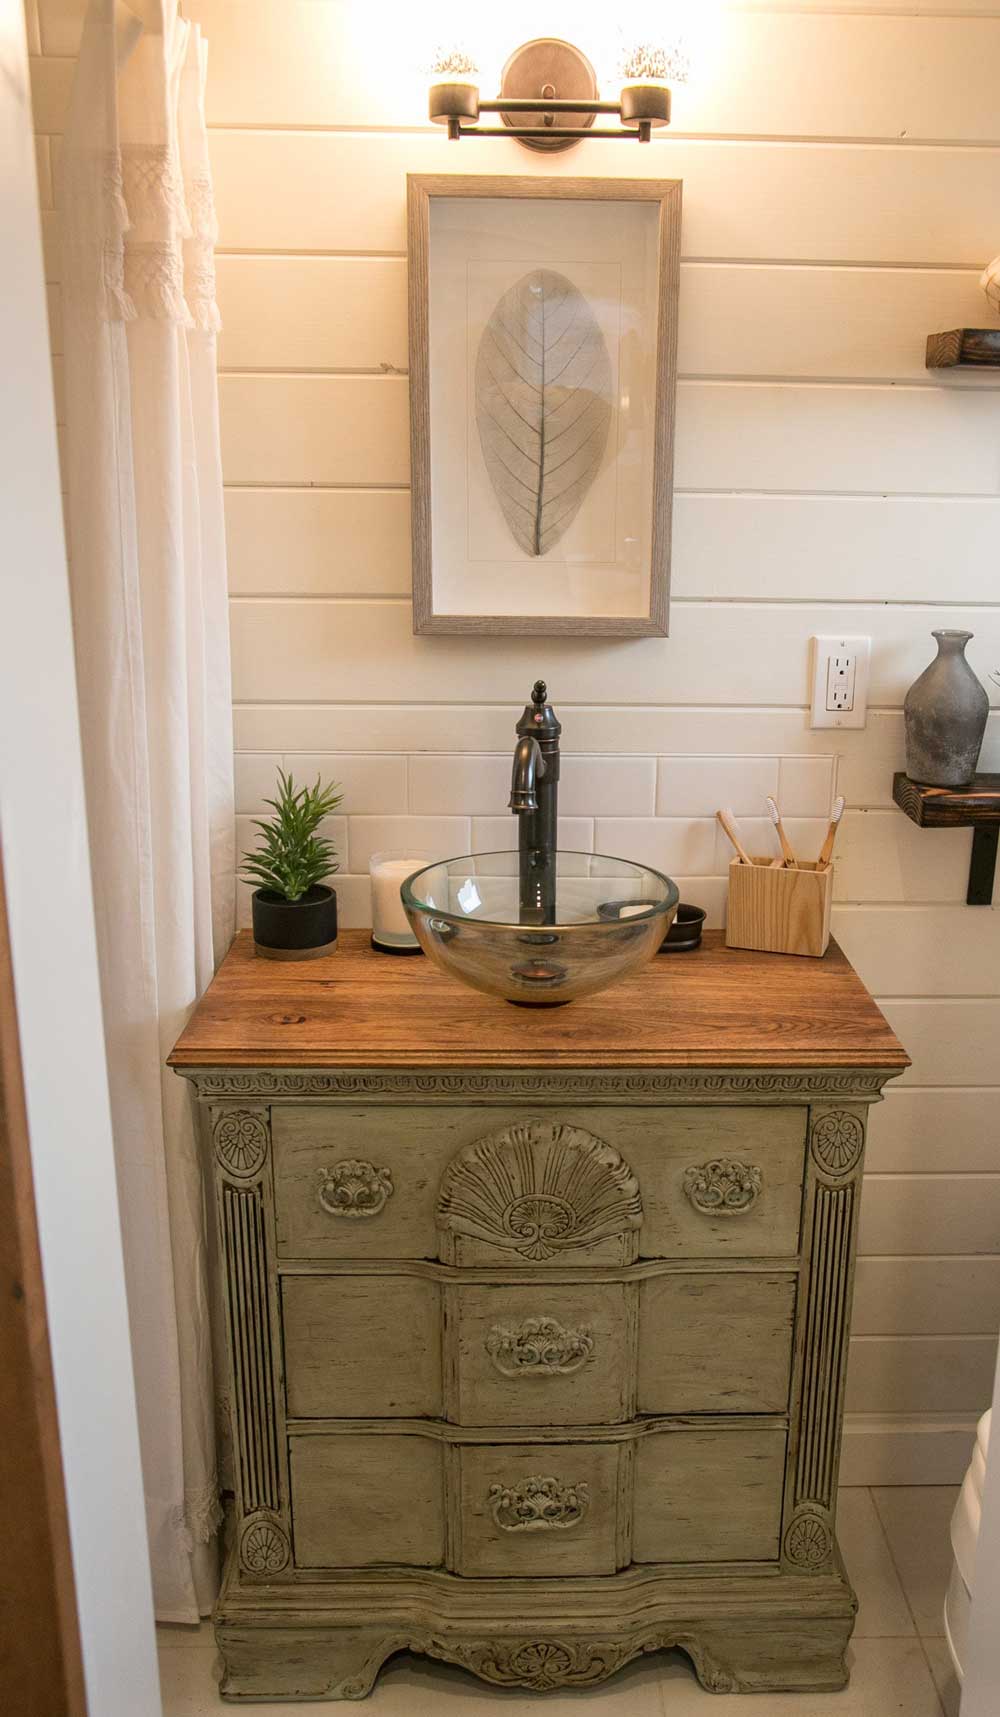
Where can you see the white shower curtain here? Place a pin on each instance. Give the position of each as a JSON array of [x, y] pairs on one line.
[[147, 564]]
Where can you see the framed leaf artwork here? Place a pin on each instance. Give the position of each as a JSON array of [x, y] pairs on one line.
[[543, 359]]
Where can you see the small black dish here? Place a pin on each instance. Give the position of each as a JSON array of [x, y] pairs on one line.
[[685, 931]]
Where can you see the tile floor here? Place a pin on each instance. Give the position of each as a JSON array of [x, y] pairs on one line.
[[896, 1546]]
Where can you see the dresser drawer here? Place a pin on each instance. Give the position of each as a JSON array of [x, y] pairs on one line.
[[541, 1354], [718, 1182], [360, 1183], [709, 1496], [361, 1347], [715, 1343], [360, 1501], [538, 1509], [484, 1186]]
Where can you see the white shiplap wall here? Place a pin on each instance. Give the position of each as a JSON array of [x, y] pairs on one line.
[[841, 192]]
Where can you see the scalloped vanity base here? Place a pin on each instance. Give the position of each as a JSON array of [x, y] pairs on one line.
[[743, 1632]]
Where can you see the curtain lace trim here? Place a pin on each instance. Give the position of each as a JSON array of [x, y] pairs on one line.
[[154, 189], [200, 1518], [154, 282], [160, 232]]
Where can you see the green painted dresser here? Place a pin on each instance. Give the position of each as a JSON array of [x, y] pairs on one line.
[[537, 1322]]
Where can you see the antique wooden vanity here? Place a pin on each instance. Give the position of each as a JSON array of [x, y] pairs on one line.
[[537, 1321]]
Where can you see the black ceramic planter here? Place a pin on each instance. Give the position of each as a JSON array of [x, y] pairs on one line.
[[295, 929]]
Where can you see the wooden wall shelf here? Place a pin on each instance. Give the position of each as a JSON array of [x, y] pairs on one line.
[[964, 349], [976, 806]]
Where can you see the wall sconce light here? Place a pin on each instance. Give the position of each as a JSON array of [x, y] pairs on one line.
[[549, 94]]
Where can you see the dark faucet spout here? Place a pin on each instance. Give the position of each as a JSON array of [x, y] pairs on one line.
[[529, 767]]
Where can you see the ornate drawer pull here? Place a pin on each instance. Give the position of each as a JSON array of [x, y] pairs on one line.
[[539, 1347], [354, 1188], [538, 1505], [723, 1187]]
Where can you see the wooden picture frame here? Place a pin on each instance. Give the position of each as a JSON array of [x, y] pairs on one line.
[[628, 484]]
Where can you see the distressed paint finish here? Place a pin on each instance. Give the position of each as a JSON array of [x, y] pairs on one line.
[[833, 1192], [240, 1140], [523, 1436]]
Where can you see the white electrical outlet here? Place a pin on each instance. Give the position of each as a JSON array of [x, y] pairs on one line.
[[840, 682]]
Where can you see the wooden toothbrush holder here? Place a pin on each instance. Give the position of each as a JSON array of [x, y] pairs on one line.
[[779, 911]]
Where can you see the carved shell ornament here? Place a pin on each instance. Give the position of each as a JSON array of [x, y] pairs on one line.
[[240, 1137], [354, 1189], [264, 1548], [538, 1505], [723, 1187], [543, 405], [989, 280], [808, 1541], [539, 1189], [837, 1141]]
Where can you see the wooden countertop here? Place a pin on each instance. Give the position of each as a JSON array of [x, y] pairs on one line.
[[717, 1007]]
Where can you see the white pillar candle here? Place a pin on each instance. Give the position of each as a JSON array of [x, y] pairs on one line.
[[388, 870]]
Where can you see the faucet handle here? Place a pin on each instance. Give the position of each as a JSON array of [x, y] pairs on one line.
[[539, 693]]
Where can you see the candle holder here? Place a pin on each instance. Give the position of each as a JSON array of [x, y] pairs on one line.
[[391, 933]]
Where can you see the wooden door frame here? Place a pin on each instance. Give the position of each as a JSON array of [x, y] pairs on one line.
[[40, 1646]]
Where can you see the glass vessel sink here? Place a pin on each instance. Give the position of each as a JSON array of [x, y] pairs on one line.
[[611, 916]]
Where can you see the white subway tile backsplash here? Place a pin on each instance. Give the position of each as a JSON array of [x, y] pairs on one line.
[[499, 834], [805, 786], [760, 839], [459, 785], [370, 784], [677, 845], [354, 901], [480, 785], [607, 786], [700, 786], [710, 892], [439, 837]]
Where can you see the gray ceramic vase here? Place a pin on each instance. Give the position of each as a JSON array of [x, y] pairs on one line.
[[945, 714]]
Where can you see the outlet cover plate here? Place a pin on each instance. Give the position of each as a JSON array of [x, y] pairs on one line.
[[843, 663]]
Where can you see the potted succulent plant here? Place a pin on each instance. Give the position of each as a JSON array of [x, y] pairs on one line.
[[294, 912]]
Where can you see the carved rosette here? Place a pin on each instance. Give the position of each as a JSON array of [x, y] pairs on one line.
[[538, 1505], [354, 1189], [539, 1347], [241, 1138], [808, 1540], [540, 1189], [838, 1139], [723, 1187], [542, 1664]]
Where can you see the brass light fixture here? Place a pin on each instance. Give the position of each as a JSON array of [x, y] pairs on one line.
[[549, 95]]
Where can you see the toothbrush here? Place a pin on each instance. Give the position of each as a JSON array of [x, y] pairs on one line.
[[786, 846], [728, 821], [826, 850]]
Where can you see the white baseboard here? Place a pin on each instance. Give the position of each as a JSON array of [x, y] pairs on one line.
[[899, 1448]]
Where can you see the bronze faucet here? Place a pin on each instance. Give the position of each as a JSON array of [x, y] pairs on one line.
[[534, 796]]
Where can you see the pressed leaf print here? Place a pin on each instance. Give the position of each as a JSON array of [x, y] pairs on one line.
[[543, 405]]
